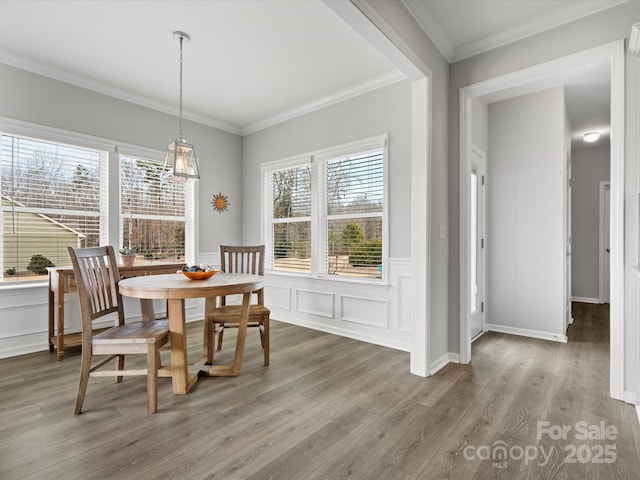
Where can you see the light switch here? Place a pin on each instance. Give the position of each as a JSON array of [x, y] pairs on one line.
[[443, 232]]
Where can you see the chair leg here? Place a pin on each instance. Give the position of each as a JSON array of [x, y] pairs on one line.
[[220, 333], [119, 366], [152, 377], [265, 340], [207, 340], [84, 379]]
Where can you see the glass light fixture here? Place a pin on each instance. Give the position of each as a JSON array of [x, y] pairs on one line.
[[591, 137], [180, 162]]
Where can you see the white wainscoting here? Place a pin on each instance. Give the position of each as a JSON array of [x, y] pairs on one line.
[[372, 313], [377, 314], [24, 314]]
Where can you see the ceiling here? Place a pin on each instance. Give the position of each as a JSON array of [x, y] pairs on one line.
[[254, 63], [248, 62], [464, 28]]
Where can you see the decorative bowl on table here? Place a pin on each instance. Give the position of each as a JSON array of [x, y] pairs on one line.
[[201, 272]]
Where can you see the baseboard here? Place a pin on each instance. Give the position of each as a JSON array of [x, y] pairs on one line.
[[443, 361], [630, 397], [383, 342], [523, 332], [585, 299]]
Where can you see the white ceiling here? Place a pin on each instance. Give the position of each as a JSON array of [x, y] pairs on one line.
[[463, 28], [247, 63], [253, 63]]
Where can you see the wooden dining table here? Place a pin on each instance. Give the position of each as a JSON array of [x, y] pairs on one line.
[[175, 288]]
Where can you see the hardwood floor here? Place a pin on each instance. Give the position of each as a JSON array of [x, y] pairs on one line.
[[330, 408]]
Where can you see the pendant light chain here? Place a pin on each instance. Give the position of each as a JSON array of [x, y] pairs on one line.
[[180, 114]]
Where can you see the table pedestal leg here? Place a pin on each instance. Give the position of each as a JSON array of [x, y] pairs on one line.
[[182, 380]]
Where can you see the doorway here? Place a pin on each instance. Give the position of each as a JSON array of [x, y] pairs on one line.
[[529, 80], [476, 243]]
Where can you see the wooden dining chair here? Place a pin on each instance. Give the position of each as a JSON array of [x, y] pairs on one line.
[[97, 276], [238, 260]]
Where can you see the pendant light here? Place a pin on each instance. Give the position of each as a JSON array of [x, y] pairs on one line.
[[180, 161]]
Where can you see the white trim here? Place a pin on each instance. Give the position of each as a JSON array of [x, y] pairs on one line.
[[616, 297], [343, 95], [440, 363], [465, 240], [585, 300], [630, 397], [601, 238], [465, 246], [99, 87], [317, 161], [638, 412], [613, 51], [525, 332], [634, 40], [432, 27], [443, 361], [547, 21], [363, 337], [420, 225]]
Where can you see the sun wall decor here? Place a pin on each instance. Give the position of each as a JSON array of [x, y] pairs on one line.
[[220, 203]]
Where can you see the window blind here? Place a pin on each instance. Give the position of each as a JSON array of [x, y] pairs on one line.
[[290, 241], [50, 200], [353, 220]]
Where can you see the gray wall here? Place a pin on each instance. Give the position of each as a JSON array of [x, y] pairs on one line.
[[415, 44], [608, 26], [590, 164], [381, 111], [43, 101], [525, 249]]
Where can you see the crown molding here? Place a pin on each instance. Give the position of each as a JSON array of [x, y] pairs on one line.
[[420, 13], [102, 88], [552, 19], [322, 102], [634, 40]]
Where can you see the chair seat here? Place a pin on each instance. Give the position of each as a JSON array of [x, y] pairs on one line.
[[231, 313], [138, 332]]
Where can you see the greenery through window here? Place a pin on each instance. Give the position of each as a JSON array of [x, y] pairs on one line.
[[50, 200], [152, 210], [326, 214]]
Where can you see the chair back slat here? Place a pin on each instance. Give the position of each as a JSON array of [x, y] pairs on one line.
[[242, 259], [248, 259], [97, 276]]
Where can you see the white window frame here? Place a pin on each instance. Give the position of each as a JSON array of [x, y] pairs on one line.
[[189, 198], [110, 232], [317, 160]]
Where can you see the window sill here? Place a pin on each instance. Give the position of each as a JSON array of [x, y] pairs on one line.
[[22, 285], [329, 279]]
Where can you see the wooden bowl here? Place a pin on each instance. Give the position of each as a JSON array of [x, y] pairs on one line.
[[199, 275]]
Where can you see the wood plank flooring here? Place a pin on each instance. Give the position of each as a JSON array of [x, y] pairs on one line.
[[330, 408]]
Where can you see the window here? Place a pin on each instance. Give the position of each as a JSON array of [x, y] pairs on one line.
[[56, 195], [51, 199], [152, 210], [325, 213]]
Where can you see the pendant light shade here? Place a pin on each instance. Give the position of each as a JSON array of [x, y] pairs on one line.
[[180, 161]]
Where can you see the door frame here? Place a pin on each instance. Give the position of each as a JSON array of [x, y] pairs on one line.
[[482, 190], [601, 239], [528, 77]]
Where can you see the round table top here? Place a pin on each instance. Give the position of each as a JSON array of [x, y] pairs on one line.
[[177, 286]]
